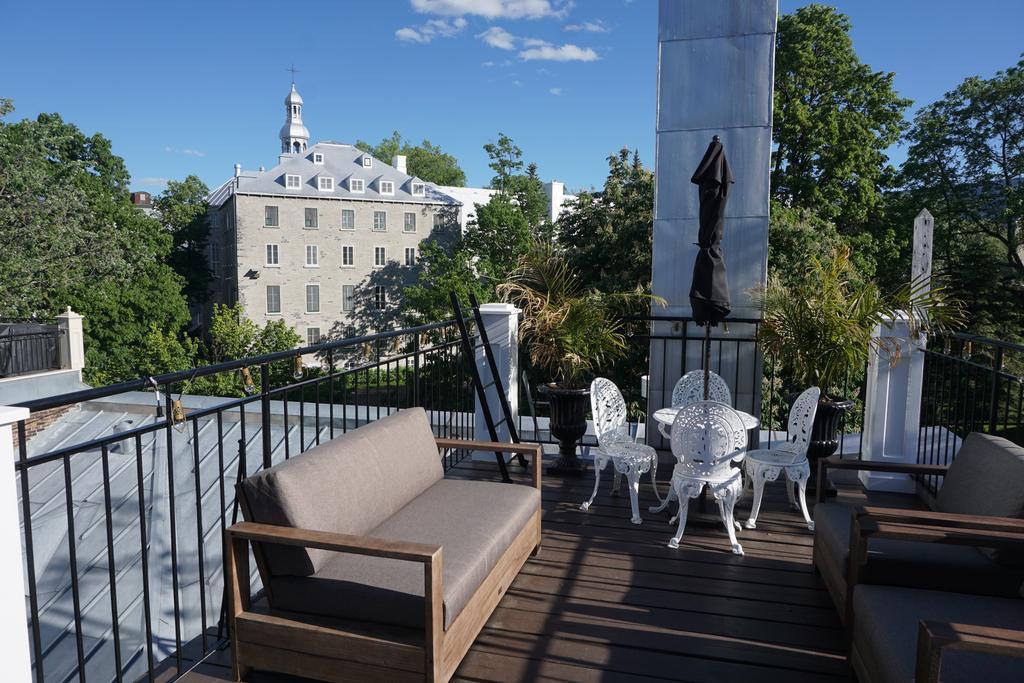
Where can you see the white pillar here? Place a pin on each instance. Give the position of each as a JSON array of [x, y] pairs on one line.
[[72, 351], [501, 322], [14, 650]]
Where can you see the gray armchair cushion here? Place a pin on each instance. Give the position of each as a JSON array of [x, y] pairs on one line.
[[905, 563], [986, 478], [473, 521], [885, 632], [348, 485]]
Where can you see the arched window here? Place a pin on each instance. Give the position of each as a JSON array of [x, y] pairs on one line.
[[296, 146]]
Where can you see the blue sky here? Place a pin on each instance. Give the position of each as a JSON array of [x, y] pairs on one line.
[[190, 87]]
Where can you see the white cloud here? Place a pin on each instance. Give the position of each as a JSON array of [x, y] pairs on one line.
[[152, 182], [589, 27], [517, 83], [559, 53], [495, 9], [434, 28], [488, 64], [499, 38], [193, 152], [555, 91]]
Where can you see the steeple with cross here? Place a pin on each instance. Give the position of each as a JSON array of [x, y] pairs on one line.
[[294, 136]]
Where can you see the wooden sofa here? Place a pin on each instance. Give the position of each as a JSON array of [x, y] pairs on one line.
[[375, 567]]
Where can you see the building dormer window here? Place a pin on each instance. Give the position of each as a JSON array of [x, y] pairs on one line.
[[326, 183], [367, 161], [318, 158], [418, 189], [387, 187], [356, 185], [293, 182]]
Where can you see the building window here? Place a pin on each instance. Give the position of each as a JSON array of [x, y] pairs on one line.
[[292, 182], [215, 258], [356, 185], [380, 297], [270, 217], [348, 298], [387, 187], [326, 183], [348, 257], [348, 219], [312, 298], [318, 158], [312, 336], [312, 219], [418, 189], [439, 220], [380, 257], [410, 256], [410, 221], [380, 221], [367, 161], [312, 256], [273, 299], [273, 255]]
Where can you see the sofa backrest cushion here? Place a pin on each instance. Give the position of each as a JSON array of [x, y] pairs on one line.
[[986, 478], [349, 485]]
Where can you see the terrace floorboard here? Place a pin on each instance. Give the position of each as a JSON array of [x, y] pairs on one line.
[[608, 601]]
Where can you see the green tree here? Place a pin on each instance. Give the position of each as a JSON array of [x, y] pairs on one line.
[[426, 161], [182, 209], [834, 117], [506, 160]]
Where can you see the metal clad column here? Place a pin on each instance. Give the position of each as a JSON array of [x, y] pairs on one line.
[[14, 650]]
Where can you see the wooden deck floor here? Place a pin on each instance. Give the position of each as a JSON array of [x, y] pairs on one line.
[[608, 601]]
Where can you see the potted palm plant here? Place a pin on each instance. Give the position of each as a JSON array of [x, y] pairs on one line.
[[821, 328], [569, 331]]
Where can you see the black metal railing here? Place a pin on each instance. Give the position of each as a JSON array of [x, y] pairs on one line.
[[22, 353], [124, 503], [970, 384]]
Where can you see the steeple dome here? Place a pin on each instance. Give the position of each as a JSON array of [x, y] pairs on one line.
[[294, 136]]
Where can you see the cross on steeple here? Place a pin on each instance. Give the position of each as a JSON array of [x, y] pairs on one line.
[[294, 71]]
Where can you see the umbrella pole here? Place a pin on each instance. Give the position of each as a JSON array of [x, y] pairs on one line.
[[707, 359]]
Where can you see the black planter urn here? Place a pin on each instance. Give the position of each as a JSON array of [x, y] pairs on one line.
[[568, 425]]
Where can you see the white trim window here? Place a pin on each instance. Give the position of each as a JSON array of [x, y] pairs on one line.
[[410, 256], [380, 297], [380, 257], [348, 219], [367, 161], [325, 183], [271, 217], [312, 298], [311, 218], [273, 256], [348, 256], [312, 336], [312, 256], [357, 185], [387, 187], [410, 222], [419, 189], [348, 298], [380, 221], [273, 299], [215, 258], [318, 158], [292, 181]]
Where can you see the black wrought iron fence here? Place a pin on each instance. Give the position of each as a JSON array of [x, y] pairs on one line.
[[23, 352], [970, 384], [125, 503]]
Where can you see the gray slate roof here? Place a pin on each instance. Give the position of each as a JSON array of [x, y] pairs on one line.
[[341, 162]]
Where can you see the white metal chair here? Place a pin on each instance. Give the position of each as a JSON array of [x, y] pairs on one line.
[[615, 445], [690, 389], [765, 464], [707, 438]]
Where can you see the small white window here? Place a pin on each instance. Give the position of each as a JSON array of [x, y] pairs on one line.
[[439, 220], [270, 217], [318, 158], [312, 336], [380, 257], [273, 299], [348, 257], [326, 183], [348, 298], [293, 182], [273, 255], [380, 221], [387, 187], [311, 218], [380, 297], [410, 222], [348, 219], [356, 185], [312, 298], [367, 161], [418, 189], [215, 258], [312, 256], [410, 256]]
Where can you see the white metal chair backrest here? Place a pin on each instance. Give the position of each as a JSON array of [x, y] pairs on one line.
[[609, 410], [707, 437], [690, 389], [801, 418]]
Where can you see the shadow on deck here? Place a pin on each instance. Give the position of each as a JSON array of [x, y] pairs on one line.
[[608, 601]]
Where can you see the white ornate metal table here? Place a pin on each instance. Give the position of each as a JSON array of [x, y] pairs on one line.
[[766, 465], [667, 416]]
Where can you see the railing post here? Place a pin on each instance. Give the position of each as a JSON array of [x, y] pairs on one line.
[[14, 650], [416, 369], [265, 414], [72, 341], [993, 401]]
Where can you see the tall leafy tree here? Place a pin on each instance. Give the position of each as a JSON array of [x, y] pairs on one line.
[[182, 209], [426, 161]]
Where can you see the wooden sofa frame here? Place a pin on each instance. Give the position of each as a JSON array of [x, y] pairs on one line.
[[341, 650]]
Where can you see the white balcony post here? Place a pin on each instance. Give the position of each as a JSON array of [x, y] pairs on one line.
[[501, 322], [72, 349], [14, 650]]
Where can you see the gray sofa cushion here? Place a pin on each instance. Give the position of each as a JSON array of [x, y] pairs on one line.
[[348, 485], [905, 563], [473, 521], [885, 632], [986, 478]]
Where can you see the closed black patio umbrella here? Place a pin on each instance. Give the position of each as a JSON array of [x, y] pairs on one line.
[[709, 293]]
